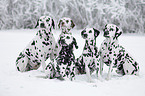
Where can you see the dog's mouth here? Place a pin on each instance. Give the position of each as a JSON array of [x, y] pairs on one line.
[[106, 34]]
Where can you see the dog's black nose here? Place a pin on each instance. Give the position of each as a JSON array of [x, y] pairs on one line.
[[67, 21], [42, 25]]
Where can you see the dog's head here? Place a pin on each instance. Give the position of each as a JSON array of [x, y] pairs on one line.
[[66, 24], [45, 22], [112, 31], [90, 33]]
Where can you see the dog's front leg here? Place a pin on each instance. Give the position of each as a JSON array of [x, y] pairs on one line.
[[109, 72], [101, 65], [87, 61], [43, 65], [42, 60], [98, 68], [110, 67]]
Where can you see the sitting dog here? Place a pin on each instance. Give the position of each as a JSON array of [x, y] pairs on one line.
[[65, 60], [88, 62], [114, 55], [39, 49], [65, 24], [64, 66]]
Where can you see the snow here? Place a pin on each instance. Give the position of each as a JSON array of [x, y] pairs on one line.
[[14, 83]]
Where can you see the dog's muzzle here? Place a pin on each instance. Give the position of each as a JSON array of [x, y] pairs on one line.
[[42, 25], [106, 33]]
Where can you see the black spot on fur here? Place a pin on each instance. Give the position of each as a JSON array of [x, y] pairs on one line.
[[18, 69], [45, 43], [127, 71], [33, 43]]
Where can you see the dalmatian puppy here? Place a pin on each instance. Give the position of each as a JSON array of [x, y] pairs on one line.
[[39, 49], [114, 55], [65, 67], [88, 62], [65, 24]]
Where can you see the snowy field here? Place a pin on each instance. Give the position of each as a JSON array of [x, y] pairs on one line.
[[14, 83]]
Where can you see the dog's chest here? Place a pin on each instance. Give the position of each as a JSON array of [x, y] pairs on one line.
[[68, 41], [89, 50], [110, 51]]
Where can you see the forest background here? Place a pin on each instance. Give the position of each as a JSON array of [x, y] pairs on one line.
[[23, 14]]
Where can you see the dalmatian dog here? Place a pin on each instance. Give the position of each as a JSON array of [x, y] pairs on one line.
[[65, 24], [88, 62], [39, 49], [65, 60], [65, 66], [114, 55]]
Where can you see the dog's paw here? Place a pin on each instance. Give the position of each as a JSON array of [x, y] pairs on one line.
[[90, 81], [108, 78], [60, 78], [100, 79]]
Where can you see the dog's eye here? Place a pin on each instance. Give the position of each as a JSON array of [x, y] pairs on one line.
[[104, 30]]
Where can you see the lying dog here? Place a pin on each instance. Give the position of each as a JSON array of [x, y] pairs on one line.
[[88, 62], [39, 49], [114, 55]]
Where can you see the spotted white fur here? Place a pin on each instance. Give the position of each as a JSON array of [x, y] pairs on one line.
[[89, 60], [114, 55], [39, 49]]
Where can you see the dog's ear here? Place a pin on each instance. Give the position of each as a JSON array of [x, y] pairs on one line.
[[96, 32], [75, 43], [37, 24], [84, 34], [60, 21], [118, 32], [72, 24], [53, 24]]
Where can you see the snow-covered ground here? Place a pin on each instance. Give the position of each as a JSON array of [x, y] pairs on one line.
[[14, 83]]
